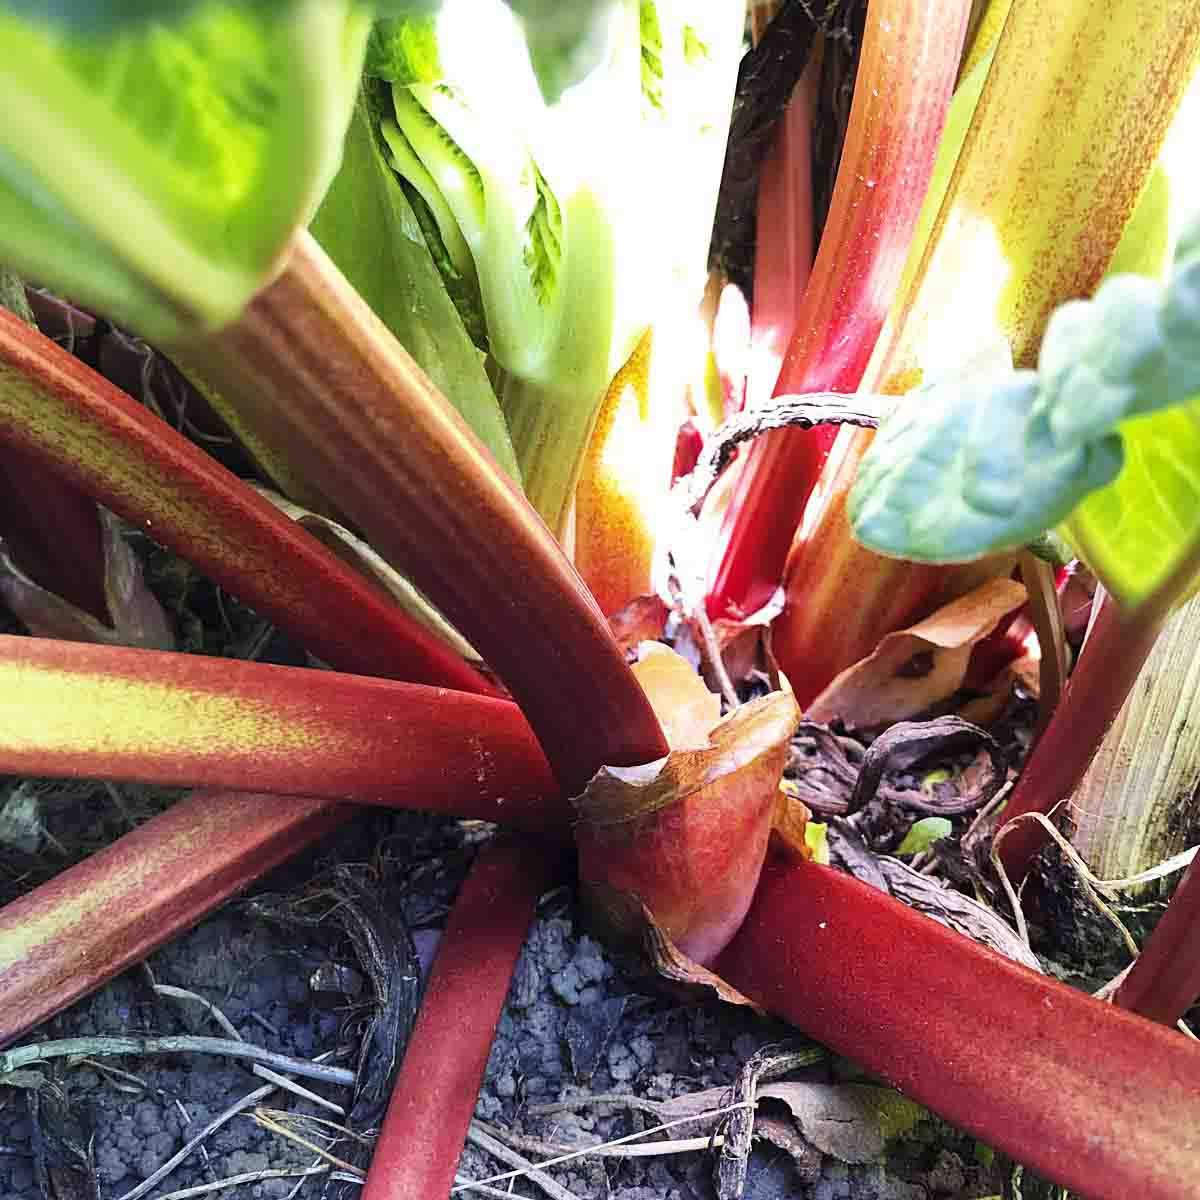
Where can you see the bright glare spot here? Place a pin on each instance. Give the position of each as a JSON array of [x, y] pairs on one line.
[[1180, 161], [963, 322]]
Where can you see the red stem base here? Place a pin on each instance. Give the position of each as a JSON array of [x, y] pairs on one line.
[[1164, 981], [1113, 655], [1086, 1094]]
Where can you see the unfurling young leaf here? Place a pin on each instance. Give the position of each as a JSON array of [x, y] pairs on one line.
[[972, 466]]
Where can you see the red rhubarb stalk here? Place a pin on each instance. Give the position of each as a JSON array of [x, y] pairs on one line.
[[91, 921], [783, 256], [1087, 1095], [69, 709], [53, 532], [1113, 655], [1164, 980], [906, 74], [70, 420], [435, 1092], [1053, 159], [452, 521]]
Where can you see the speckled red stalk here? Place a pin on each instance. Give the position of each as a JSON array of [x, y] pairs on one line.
[[68, 709], [435, 1092], [398, 460], [906, 74], [1113, 655], [62, 416], [1097, 1099], [1164, 981], [92, 921]]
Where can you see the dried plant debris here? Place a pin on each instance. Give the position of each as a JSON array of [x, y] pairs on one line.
[[63, 1143], [837, 775], [913, 670], [353, 905], [770, 1062]]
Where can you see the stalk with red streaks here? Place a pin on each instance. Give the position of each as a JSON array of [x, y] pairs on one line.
[[906, 74], [92, 921], [1075, 106], [1164, 980], [74, 710], [65, 418], [1089, 1096], [453, 522], [435, 1092]]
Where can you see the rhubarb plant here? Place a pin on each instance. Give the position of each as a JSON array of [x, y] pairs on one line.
[[1019, 220], [670, 794]]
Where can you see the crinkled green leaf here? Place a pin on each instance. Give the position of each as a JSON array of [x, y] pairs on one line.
[[966, 467], [368, 228], [963, 468], [543, 240], [158, 171], [404, 51]]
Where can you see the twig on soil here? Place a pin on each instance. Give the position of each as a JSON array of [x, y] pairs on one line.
[[654, 1107], [178, 993], [290, 1085], [123, 1081], [250, 1177], [341, 1131], [525, 1169], [477, 1135], [519, 1141], [11, 1060]]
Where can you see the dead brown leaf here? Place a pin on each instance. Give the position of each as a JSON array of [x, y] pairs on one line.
[[913, 669]]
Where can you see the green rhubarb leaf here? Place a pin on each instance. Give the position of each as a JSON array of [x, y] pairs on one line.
[[157, 171], [543, 244], [404, 51], [368, 227], [1132, 532], [968, 466]]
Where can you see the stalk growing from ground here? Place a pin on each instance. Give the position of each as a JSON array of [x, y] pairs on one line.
[[434, 1094], [906, 73], [1111, 1115], [1031, 216], [92, 921]]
